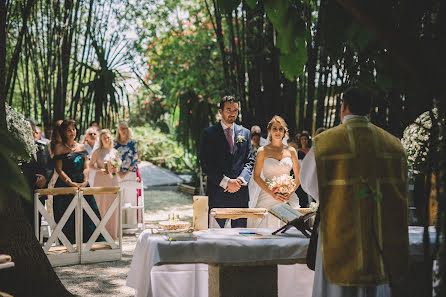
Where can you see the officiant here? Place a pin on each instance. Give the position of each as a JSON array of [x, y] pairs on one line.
[[358, 173]]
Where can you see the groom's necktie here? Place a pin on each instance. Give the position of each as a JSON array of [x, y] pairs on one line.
[[229, 138]]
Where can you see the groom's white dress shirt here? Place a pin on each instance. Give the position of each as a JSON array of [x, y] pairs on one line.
[[224, 181], [321, 286]]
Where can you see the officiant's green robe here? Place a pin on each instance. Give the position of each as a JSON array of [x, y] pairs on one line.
[[362, 175]]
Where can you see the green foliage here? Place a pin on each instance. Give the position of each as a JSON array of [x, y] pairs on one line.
[[12, 178], [196, 113], [287, 18], [184, 64], [227, 6], [162, 150]]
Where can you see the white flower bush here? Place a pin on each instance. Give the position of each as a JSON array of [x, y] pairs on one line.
[[20, 129], [415, 141]]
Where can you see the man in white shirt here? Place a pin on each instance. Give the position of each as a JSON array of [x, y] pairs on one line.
[[227, 160]]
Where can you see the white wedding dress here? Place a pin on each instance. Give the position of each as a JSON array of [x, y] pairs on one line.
[[260, 199]]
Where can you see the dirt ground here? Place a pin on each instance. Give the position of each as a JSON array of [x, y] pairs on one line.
[[108, 278]]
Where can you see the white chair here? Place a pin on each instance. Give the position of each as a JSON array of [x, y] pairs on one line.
[[133, 210]]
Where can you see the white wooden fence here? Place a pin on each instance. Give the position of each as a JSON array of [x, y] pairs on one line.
[[91, 251]]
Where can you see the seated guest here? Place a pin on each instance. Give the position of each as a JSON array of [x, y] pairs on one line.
[[105, 177]]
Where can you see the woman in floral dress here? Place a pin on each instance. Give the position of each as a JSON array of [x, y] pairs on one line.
[[128, 150]]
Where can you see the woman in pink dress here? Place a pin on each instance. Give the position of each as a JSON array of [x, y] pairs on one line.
[[106, 177]]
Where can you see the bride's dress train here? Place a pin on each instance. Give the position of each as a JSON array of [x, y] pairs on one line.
[[260, 199]]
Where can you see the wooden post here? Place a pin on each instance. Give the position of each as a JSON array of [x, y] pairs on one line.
[[201, 210], [246, 281]]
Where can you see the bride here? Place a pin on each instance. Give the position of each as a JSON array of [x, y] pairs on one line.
[[274, 159]]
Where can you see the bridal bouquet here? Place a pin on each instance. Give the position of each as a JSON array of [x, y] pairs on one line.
[[114, 160], [283, 184]]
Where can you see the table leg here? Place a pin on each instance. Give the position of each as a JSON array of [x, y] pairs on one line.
[[246, 281]]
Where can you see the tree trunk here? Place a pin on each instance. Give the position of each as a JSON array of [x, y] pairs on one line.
[[270, 76], [32, 274], [440, 274], [312, 49], [64, 63], [301, 116], [3, 92], [289, 99], [254, 57]]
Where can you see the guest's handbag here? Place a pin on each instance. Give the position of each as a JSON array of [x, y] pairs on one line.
[[312, 246]]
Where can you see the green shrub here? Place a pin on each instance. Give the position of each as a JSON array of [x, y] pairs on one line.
[[162, 150]]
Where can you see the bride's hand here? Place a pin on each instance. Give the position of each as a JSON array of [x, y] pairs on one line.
[[280, 197]]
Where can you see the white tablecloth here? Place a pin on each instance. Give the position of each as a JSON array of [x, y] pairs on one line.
[[151, 275], [215, 246]]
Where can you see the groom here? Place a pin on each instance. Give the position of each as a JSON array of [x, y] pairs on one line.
[[226, 158]]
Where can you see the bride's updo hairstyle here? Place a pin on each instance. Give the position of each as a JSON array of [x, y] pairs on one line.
[[281, 121]]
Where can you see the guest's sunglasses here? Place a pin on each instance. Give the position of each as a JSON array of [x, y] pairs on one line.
[[92, 134]]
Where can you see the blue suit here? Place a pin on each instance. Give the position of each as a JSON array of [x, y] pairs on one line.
[[217, 161]]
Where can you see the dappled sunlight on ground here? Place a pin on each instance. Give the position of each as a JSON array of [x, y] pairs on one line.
[[162, 202]]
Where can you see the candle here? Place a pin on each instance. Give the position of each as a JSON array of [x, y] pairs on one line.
[[201, 210]]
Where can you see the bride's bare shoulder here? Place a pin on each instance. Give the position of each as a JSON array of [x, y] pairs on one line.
[[292, 150]]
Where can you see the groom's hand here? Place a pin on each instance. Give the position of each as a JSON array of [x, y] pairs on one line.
[[233, 185]]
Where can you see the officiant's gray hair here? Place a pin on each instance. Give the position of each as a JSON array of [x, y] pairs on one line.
[[227, 98]]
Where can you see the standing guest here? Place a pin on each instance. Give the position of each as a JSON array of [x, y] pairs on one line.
[[37, 173], [94, 125], [128, 150], [71, 165], [40, 135], [358, 256], [319, 130], [255, 142], [297, 138], [55, 137], [304, 143], [227, 160], [256, 130], [54, 140], [105, 177], [90, 140]]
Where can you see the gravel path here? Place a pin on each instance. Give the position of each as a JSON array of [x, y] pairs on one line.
[[108, 278]]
